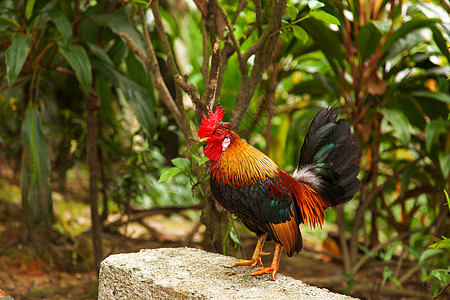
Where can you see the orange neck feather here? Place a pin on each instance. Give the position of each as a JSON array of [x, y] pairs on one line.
[[242, 164]]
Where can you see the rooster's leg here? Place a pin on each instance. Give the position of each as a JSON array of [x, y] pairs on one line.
[[275, 263], [256, 258]]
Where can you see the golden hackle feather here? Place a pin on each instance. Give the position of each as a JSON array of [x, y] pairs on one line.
[[243, 165]]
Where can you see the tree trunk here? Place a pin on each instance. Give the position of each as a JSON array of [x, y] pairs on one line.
[[92, 105]]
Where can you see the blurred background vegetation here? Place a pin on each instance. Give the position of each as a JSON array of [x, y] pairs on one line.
[[98, 118]]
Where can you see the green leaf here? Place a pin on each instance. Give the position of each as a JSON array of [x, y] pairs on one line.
[[100, 53], [399, 123], [325, 17], [292, 11], [169, 173], [29, 9], [78, 60], [443, 97], [386, 274], [181, 163], [404, 30], [382, 26], [448, 199], [314, 4], [119, 24], [15, 56], [441, 43], [390, 252], [284, 37], [442, 244], [406, 176], [136, 96], [427, 254], [62, 24], [366, 250], [327, 41], [444, 161], [442, 275], [368, 39], [35, 184], [105, 95], [432, 130], [234, 237], [411, 251], [200, 160], [300, 33]]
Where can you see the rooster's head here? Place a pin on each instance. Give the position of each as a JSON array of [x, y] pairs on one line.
[[217, 134]]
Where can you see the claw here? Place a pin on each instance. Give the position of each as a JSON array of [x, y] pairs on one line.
[[273, 269], [256, 258], [268, 270], [245, 262]]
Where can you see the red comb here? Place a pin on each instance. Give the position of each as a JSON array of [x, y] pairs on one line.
[[209, 123]]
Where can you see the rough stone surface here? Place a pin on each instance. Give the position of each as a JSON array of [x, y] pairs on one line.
[[186, 273]]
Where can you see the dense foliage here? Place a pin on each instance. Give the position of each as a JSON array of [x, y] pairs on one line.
[[83, 83]]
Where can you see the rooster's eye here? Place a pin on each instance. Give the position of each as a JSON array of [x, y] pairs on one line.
[[219, 133]]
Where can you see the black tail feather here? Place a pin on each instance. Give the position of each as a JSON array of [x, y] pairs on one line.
[[327, 159]]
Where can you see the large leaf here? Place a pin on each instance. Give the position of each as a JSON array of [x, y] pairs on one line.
[[169, 173], [62, 24], [432, 130], [399, 123], [368, 38], [78, 60], [300, 33], [327, 41], [404, 30], [443, 97], [100, 53], [16, 54], [29, 8], [444, 162], [105, 95], [181, 163], [325, 17], [119, 24], [441, 42], [136, 96], [35, 184], [442, 244]]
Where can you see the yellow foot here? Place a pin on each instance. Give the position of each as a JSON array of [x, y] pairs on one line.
[[269, 270]]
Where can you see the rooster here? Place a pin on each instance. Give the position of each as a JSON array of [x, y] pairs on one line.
[[267, 200]]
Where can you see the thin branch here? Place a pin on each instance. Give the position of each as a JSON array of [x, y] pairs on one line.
[[152, 63], [263, 57], [258, 14], [227, 51], [213, 74], [242, 4], [191, 90], [206, 51], [168, 50], [259, 43], [232, 35]]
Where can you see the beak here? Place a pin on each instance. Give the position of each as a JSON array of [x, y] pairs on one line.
[[205, 139]]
